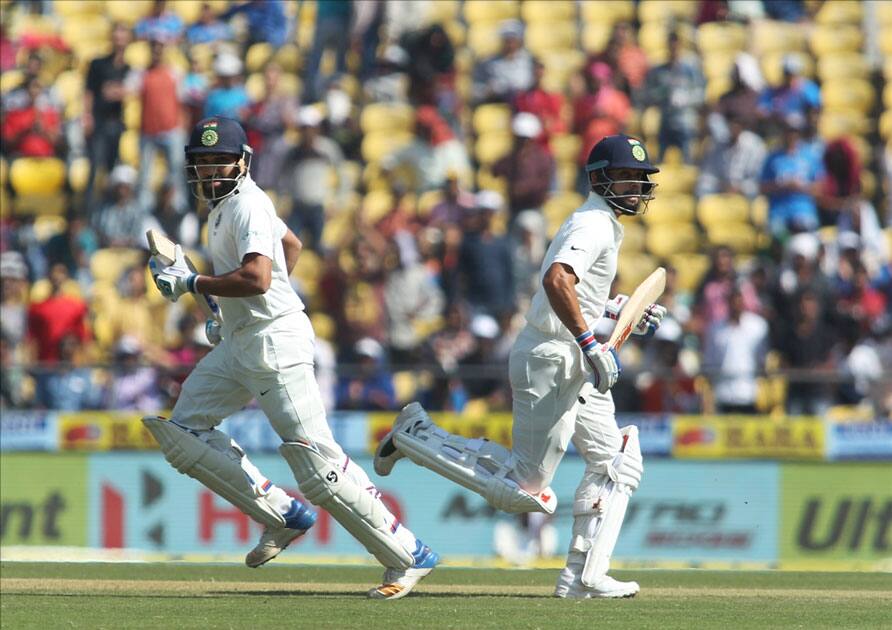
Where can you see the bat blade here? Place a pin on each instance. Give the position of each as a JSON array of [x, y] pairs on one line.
[[646, 294], [165, 250]]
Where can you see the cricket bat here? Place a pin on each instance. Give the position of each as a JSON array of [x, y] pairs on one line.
[[165, 250], [644, 295]]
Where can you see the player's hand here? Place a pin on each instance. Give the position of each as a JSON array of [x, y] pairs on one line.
[[649, 322], [213, 331], [173, 280], [602, 359]]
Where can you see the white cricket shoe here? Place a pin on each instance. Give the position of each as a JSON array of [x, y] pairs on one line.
[[400, 582], [387, 454], [274, 540], [571, 587]]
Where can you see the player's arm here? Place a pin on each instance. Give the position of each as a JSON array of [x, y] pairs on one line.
[[252, 278], [560, 287], [292, 246]]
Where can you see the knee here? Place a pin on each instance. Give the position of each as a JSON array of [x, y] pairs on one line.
[[531, 477]]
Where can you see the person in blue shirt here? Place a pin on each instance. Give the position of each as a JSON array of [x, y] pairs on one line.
[[795, 95], [229, 97], [267, 20], [68, 387], [371, 388], [790, 180], [209, 28], [160, 25]]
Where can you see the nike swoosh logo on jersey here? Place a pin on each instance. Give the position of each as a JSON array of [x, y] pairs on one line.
[[264, 393], [576, 249]]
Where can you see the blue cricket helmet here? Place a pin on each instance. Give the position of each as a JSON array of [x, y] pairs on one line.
[[621, 152], [217, 136]]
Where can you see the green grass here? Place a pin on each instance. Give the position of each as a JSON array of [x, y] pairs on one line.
[[172, 595]]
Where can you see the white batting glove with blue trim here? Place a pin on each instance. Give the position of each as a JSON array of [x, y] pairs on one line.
[[649, 322], [602, 359], [173, 280]]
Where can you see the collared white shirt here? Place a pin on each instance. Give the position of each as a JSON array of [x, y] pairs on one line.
[[244, 223], [588, 242]]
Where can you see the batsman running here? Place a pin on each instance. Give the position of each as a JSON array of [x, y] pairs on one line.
[[264, 350], [554, 356]]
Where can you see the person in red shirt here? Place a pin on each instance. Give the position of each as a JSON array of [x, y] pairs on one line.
[[600, 110], [35, 128], [56, 317], [547, 106], [627, 60]]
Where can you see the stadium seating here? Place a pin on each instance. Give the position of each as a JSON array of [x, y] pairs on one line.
[[721, 208], [667, 239]]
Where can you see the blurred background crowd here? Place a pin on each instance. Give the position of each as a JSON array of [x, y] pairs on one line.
[[425, 151]]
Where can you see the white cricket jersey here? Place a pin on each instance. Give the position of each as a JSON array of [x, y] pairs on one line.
[[244, 223], [588, 241]]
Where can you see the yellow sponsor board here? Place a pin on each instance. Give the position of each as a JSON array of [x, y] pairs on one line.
[[495, 427], [710, 437], [103, 431]]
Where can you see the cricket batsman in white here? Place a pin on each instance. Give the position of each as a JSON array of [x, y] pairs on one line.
[[553, 357], [264, 350]]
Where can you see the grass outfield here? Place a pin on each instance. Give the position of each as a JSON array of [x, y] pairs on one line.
[[98, 595]]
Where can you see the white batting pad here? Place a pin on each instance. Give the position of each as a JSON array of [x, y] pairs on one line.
[[354, 507], [476, 464], [220, 464]]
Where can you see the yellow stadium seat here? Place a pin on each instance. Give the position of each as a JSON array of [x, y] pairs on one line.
[[839, 12], [489, 11], [492, 118], [67, 9], [458, 35], [444, 11], [886, 125], [487, 181], [85, 27], [128, 148], [718, 64], [690, 269], [188, 10], [722, 208], [376, 204], [650, 122], [773, 70], [716, 88], [257, 56], [4, 172], [492, 146], [886, 42], [69, 86], [654, 36], [666, 10], [289, 58], [675, 179], [594, 36], [769, 36], [607, 11], [670, 209], [138, 54], [566, 147], [666, 239], [741, 237], [544, 11], [255, 86], [386, 117], [127, 11], [29, 23], [835, 38], [634, 236], [759, 211], [847, 94], [632, 268], [427, 201], [37, 176], [562, 205], [716, 37], [78, 174], [483, 39], [48, 226], [405, 384], [549, 36], [40, 204], [884, 13], [843, 66], [42, 289], [567, 175], [10, 80], [887, 95], [107, 265], [378, 145], [833, 124]]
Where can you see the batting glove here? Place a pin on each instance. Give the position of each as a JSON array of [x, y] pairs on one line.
[[602, 359], [213, 331], [649, 322], [173, 280]]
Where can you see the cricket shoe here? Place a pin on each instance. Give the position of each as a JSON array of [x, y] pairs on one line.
[[571, 587], [400, 582], [387, 454], [274, 540]]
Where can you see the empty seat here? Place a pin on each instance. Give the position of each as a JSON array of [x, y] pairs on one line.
[[257, 56], [544, 37], [487, 11], [376, 146], [491, 117], [107, 265], [37, 176], [722, 208], [670, 208], [675, 178], [847, 94], [492, 146], [386, 117], [835, 38], [666, 239], [741, 237], [690, 269]]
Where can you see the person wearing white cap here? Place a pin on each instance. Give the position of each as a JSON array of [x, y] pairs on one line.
[[795, 95], [305, 177], [229, 97], [120, 221], [500, 77], [528, 167]]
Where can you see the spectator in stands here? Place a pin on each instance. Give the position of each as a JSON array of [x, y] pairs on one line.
[[785, 10], [546, 106], [68, 386], [372, 387], [483, 371], [666, 387], [228, 98], [209, 28], [529, 241], [73, 248], [413, 302], [452, 209], [801, 272], [325, 359], [103, 116], [805, 343], [8, 48], [35, 128], [161, 126], [266, 124], [195, 87], [678, 89], [401, 223], [734, 355], [733, 161], [160, 25], [528, 168], [485, 263], [267, 21], [432, 155], [795, 95], [499, 78], [180, 225], [13, 378], [742, 99], [138, 316], [858, 299], [305, 177], [861, 364], [190, 347], [120, 221], [389, 82], [790, 179], [365, 34], [135, 385], [332, 27], [625, 58], [448, 347], [56, 317], [713, 297], [599, 109], [431, 59], [14, 289]]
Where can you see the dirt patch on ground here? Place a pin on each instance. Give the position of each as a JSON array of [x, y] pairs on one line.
[[204, 588]]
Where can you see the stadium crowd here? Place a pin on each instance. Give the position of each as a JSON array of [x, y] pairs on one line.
[[425, 152]]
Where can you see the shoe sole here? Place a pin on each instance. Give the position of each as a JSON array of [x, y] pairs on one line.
[[401, 591], [275, 555]]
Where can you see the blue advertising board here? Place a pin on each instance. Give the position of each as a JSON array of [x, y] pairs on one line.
[[859, 440]]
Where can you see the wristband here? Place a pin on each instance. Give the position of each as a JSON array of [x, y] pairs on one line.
[[190, 283], [586, 340]]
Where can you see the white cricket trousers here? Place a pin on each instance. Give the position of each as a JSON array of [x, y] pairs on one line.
[[546, 376]]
